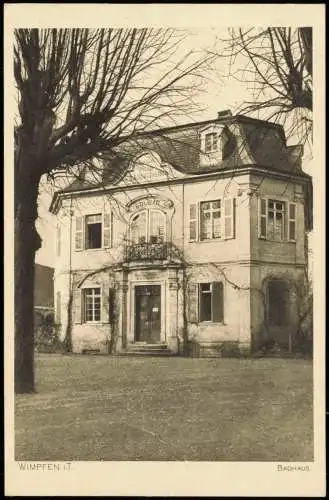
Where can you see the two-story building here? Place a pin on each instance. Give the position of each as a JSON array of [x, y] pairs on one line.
[[190, 233]]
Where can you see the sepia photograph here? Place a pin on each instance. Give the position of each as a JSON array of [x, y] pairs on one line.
[[164, 219]]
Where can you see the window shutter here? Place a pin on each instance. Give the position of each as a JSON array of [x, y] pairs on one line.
[[193, 302], [217, 302], [58, 252], [292, 221], [229, 218], [79, 233], [262, 218], [77, 306], [107, 230], [193, 222]]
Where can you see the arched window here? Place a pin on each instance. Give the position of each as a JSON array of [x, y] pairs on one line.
[[138, 228], [148, 226]]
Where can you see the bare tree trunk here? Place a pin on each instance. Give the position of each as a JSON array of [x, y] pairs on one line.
[[27, 242], [67, 343]]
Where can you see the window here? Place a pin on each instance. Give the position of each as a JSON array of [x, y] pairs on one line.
[[277, 220], [92, 304], [211, 220], [148, 227], [211, 302], [211, 141], [93, 231], [217, 143], [278, 303]]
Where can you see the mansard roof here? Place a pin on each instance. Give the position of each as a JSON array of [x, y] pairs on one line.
[[250, 142]]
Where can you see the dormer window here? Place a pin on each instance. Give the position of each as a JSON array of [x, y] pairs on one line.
[[217, 144], [211, 141]]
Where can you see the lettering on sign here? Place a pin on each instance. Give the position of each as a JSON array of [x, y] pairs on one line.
[[150, 203]]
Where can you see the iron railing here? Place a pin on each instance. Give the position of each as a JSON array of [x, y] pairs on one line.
[[148, 251]]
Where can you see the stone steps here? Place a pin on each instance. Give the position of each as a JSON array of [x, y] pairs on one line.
[[144, 349]]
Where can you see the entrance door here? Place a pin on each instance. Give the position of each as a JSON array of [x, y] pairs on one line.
[[148, 313]]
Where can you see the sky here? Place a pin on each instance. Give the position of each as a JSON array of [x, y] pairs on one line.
[[219, 92]]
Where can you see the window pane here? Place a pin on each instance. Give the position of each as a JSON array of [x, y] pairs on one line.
[[216, 204], [138, 228], [94, 235], [157, 227], [93, 304], [270, 225], [216, 227], [208, 142], [214, 142], [91, 219], [205, 287], [206, 232], [205, 306], [217, 302], [278, 230], [205, 206]]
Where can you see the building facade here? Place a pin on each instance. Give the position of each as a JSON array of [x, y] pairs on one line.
[[191, 234]]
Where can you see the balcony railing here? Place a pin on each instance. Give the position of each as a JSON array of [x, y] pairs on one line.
[[148, 251]]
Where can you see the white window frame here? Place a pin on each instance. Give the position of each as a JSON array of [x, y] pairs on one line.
[[263, 216], [148, 224], [211, 210], [212, 129], [86, 224], [211, 293], [227, 205], [83, 315], [106, 217]]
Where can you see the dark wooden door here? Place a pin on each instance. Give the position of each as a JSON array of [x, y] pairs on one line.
[[148, 313]]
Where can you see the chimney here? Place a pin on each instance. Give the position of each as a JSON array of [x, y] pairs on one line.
[[295, 155], [224, 114]]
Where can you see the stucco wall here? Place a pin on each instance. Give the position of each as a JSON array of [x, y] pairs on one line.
[[260, 275], [241, 263], [277, 251]]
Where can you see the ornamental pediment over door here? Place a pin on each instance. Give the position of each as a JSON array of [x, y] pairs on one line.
[[148, 167]]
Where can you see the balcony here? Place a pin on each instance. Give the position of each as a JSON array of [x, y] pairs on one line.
[[148, 251]]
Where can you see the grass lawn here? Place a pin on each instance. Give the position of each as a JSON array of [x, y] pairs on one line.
[[120, 408]]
